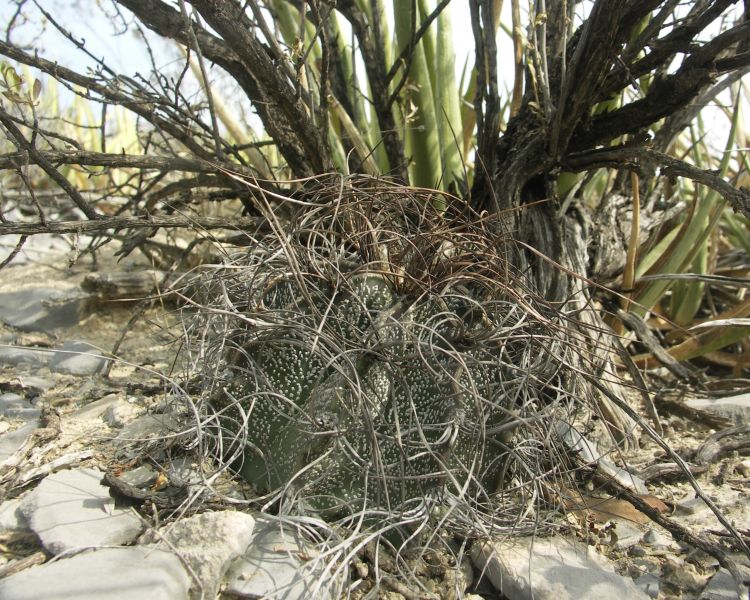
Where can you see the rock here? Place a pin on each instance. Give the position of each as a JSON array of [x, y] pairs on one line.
[[10, 442], [627, 533], [550, 569], [589, 453], [734, 408], [659, 541], [141, 477], [274, 567], [186, 470], [12, 355], [16, 406], [34, 386], [208, 542], [72, 509], [106, 574], [77, 358], [649, 584], [120, 414], [136, 437], [40, 309], [11, 516], [722, 587]]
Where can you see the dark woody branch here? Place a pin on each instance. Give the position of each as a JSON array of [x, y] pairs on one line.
[[633, 158]]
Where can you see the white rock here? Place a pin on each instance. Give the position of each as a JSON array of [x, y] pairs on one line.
[[550, 569], [279, 564], [208, 543], [71, 510], [139, 573], [11, 441], [11, 516], [120, 414]]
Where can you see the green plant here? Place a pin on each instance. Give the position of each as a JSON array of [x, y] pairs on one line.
[[368, 383]]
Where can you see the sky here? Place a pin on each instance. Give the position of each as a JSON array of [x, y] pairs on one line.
[[102, 32]]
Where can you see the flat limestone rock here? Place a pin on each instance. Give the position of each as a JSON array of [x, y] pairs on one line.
[[10, 442], [71, 510], [77, 358], [40, 309], [722, 586], [208, 543], [142, 573], [279, 565], [735, 408], [12, 355], [551, 569]]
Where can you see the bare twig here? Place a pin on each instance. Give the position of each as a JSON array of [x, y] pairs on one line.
[[39, 158]]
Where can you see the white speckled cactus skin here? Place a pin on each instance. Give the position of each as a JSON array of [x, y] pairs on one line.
[[366, 399]]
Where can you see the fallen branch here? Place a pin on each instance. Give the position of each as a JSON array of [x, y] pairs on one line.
[[103, 224]]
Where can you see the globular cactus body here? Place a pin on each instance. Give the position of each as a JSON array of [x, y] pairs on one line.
[[356, 396]]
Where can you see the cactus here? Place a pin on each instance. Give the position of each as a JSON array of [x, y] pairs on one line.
[[374, 351], [359, 396]]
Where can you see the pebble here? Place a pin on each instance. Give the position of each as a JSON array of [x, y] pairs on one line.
[[208, 542], [71, 510], [77, 358], [551, 569], [140, 573]]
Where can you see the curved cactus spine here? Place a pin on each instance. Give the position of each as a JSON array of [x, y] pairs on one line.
[[384, 401]]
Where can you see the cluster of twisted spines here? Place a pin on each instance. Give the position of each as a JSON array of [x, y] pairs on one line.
[[355, 396]]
